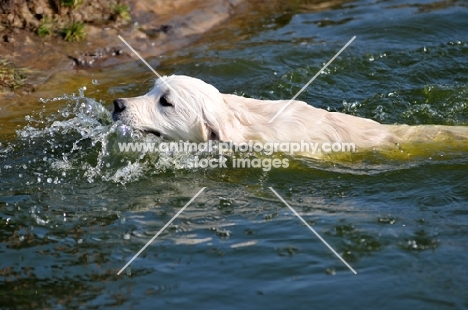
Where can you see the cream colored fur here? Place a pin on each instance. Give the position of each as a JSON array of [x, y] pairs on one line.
[[196, 111]]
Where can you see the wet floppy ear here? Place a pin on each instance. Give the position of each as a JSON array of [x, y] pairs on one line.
[[211, 122]]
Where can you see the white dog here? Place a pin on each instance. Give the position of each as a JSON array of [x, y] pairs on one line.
[[186, 108]]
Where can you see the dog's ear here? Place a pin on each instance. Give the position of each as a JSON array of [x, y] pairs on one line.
[[219, 121], [211, 124]]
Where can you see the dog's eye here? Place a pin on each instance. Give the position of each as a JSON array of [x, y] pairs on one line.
[[163, 101]]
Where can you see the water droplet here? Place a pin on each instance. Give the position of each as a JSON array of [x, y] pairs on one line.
[[49, 180], [126, 236], [95, 82]]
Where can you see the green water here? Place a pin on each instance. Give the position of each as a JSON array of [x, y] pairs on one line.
[[74, 210]]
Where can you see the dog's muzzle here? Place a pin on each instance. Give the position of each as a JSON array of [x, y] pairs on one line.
[[119, 107]]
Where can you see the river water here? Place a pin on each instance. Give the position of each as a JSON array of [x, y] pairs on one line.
[[74, 209]]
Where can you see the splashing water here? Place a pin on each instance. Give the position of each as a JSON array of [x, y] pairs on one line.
[[82, 141]]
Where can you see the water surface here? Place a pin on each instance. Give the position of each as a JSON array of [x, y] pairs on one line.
[[74, 210]]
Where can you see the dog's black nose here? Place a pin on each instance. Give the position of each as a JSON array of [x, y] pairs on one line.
[[119, 105]]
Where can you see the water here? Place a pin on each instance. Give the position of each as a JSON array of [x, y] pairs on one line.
[[74, 210]]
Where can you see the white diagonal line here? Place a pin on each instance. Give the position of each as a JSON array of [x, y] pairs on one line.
[[311, 80], [313, 230], [162, 229], [141, 58], [157, 74]]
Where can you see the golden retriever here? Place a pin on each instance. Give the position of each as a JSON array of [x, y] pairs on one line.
[[186, 108]]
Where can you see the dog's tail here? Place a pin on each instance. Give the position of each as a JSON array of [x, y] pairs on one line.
[[425, 140], [429, 133]]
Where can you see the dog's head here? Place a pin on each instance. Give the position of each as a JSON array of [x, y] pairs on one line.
[[178, 107]]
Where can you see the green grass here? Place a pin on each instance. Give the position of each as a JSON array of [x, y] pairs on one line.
[[71, 3], [122, 11], [74, 32], [45, 27]]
